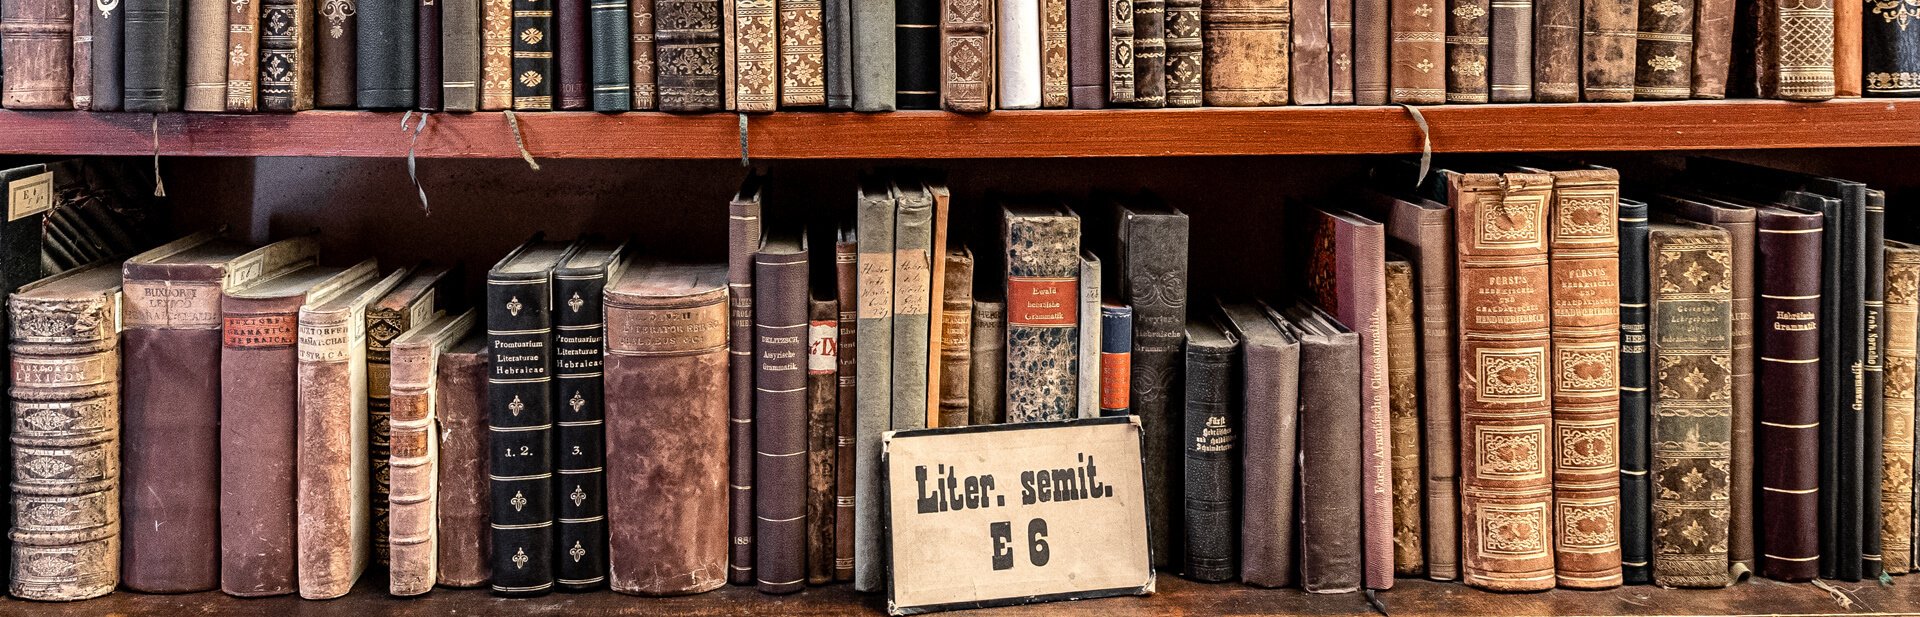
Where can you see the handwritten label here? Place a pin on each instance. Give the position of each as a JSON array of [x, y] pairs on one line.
[[912, 282], [823, 346], [29, 196]]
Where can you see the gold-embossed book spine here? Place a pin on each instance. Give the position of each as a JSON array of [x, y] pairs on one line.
[[1692, 344], [1585, 266], [1896, 492], [803, 63]]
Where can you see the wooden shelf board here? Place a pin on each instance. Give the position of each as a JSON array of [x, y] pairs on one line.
[[1678, 125], [1409, 598]]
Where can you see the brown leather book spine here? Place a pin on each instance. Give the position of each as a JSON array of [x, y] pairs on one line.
[[1506, 413], [1712, 47], [846, 285], [755, 58], [1348, 278], [1371, 46], [36, 42], [1896, 494], [1788, 440], [1340, 51], [464, 496], [412, 547], [1510, 51], [641, 53], [1692, 342], [823, 358], [496, 54], [1796, 50], [82, 85], [956, 330], [1309, 64], [1403, 387], [1419, 51], [259, 407], [1664, 51], [1423, 232], [966, 55], [1585, 269], [1556, 51], [803, 65], [1607, 48], [1467, 51], [334, 56], [1119, 51], [1244, 52], [1847, 42], [1055, 90], [243, 42], [667, 429], [1184, 54]]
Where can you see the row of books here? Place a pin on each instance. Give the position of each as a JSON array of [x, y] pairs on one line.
[[962, 55]]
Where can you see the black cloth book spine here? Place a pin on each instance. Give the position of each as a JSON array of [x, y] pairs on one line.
[[612, 56], [916, 41], [1153, 278], [533, 75], [109, 26], [1833, 373], [780, 416], [154, 36], [836, 24], [579, 346], [1890, 51], [1872, 379], [1116, 351], [281, 73], [384, 49], [429, 87], [520, 431], [1849, 402], [1212, 465], [1636, 546]]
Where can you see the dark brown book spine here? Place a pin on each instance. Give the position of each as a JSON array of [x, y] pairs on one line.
[[1692, 343], [464, 495], [1308, 64], [967, 55], [846, 283], [1788, 252], [1340, 52], [334, 58], [988, 373], [955, 339], [1664, 51], [1712, 47], [82, 86], [780, 417], [1149, 53], [1585, 269], [1419, 49], [258, 441], [1607, 49], [1184, 49], [823, 343], [743, 238], [1510, 51], [1467, 51], [1556, 51]]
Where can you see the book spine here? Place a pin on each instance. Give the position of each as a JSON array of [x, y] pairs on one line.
[[81, 88], [966, 55], [533, 51], [1154, 282], [836, 18], [580, 432], [1556, 51], [1149, 53], [912, 309], [153, 34], [1691, 339], [570, 54], [65, 377], [109, 58], [1309, 63], [1086, 54], [874, 56], [780, 421], [413, 544], [1419, 40], [1429, 232], [823, 358], [847, 288], [259, 441], [243, 41], [1585, 269], [170, 453], [1371, 36], [630, 63], [496, 54], [206, 56], [1340, 51], [1403, 384], [1119, 51], [1506, 410], [1740, 542], [1788, 250], [1116, 358], [687, 54], [988, 374], [1212, 436], [756, 63], [1636, 543], [1043, 268], [1712, 47], [1896, 505], [1017, 34], [520, 433], [1849, 25], [803, 79], [956, 348], [1329, 491], [1664, 48], [1350, 280], [729, 55], [383, 325], [1841, 308], [1801, 48], [332, 464], [1872, 379], [1184, 48], [1510, 51], [464, 495], [1087, 396], [743, 238], [917, 61], [430, 76], [667, 418], [874, 383], [286, 55], [1467, 48], [1270, 378], [1607, 49], [1244, 52], [1054, 91], [335, 60], [460, 55]]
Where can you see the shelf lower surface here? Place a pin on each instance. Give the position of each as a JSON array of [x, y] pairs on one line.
[[1175, 597]]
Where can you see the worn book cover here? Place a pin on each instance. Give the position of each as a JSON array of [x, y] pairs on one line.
[[1185, 65], [1422, 231], [1896, 495], [956, 342], [1467, 49], [1692, 346], [823, 342], [1151, 239], [463, 495], [1787, 444], [846, 274], [36, 54], [874, 214], [967, 55], [1346, 276], [1330, 497], [1403, 385], [1269, 430], [744, 236], [413, 527], [1212, 396], [1043, 272], [287, 48], [415, 302]]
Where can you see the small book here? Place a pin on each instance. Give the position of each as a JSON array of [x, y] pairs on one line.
[[520, 411], [823, 342], [1691, 337], [580, 434], [1087, 398], [1212, 390], [1116, 358], [1329, 459], [1042, 242], [414, 524], [780, 412], [414, 302], [956, 342], [1269, 436], [463, 496]]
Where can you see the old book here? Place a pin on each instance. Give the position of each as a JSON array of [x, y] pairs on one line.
[[1607, 44], [1346, 275], [1896, 495], [1017, 37], [743, 238], [520, 412], [1087, 396], [1418, 45], [823, 342], [1043, 267], [1795, 50], [1664, 50], [874, 218], [846, 256], [916, 60], [1636, 541], [913, 299], [1890, 54], [756, 62], [836, 18], [803, 77], [956, 328], [386, 52], [335, 62], [1308, 64], [414, 538], [1467, 51], [1712, 47], [1506, 409], [729, 70], [1329, 464], [1371, 46], [1119, 52], [1340, 51], [1403, 385], [1510, 51], [780, 412], [1185, 65], [987, 374], [1245, 57], [1116, 358], [1788, 256], [108, 28], [1053, 53], [170, 459], [65, 395], [496, 54], [1873, 379], [36, 43], [580, 432], [1087, 54], [1152, 270], [873, 58], [286, 55], [1268, 428], [667, 341], [967, 55], [414, 302], [1691, 340], [533, 48], [154, 35], [686, 54], [1149, 62], [259, 426], [82, 82], [460, 55], [570, 54], [1849, 24], [1556, 51], [463, 497], [1422, 231], [623, 56], [243, 41], [1212, 454], [430, 74]]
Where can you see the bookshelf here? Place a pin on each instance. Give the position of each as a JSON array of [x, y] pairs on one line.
[[1588, 127]]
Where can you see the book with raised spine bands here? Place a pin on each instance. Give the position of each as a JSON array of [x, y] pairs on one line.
[[36, 38], [154, 35], [1119, 51], [1422, 230], [1185, 62], [1403, 422], [823, 342], [967, 55], [386, 52], [780, 412], [1149, 55], [743, 238], [1418, 40], [1340, 52], [846, 252], [956, 348], [1245, 53], [414, 303], [916, 53], [286, 57], [687, 53], [1211, 532], [460, 55], [1664, 51], [1043, 273], [1896, 498], [1467, 49], [1712, 47], [1692, 345], [463, 494], [414, 538], [520, 402], [986, 404], [1636, 543], [623, 54], [1556, 51], [1794, 49], [532, 73], [243, 41], [1510, 51], [580, 433], [1607, 43], [1787, 444], [874, 220]]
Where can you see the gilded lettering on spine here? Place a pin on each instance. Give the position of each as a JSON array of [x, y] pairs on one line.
[[1896, 492], [1692, 405]]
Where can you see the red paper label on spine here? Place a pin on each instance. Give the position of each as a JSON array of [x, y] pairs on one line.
[[1043, 302], [1116, 374]]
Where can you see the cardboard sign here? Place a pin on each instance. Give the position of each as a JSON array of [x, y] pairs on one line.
[[1015, 514]]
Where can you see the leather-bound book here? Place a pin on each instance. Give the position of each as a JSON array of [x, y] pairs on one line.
[[1152, 271], [1418, 40], [243, 41], [956, 329], [623, 58], [1849, 25], [1017, 35], [874, 220], [206, 56], [414, 303], [82, 83], [913, 353], [1346, 276], [1184, 62], [1467, 50], [170, 459], [520, 412], [1636, 541], [1053, 53], [1309, 67], [873, 59], [803, 77], [463, 496], [1712, 47], [686, 47], [336, 35], [743, 238], [1663, 47], [108, 26], [66, 440], [1149, 62], [823, 342], [414, 543], [1269, 427], [988, 371], [1607, 42], [1119, 52], [967, 55], [727, 57], [1890, 54], [1212, 458], [430, 74], [1403, 386], [286, 56], [459, 55], [780, 413], [580, 433], [1043, 270], [755, 56], [1556, 51], [836, 17], [1692, 343], [1116, 358], [1340, 51], [1510, 51], [36, 45], [1330, 428], [1896, 498], [533, 43], [386, 53], [570, 54], [1422, 230], [846, 274], [917, 59], [1787, 445], [1795, 49], [1087, 396], [1873, 379], [1087, 54], [153, 40], [1506, 409], [1245, 59], [259, 427], [496, 54], [1371, 46], [667, 428]]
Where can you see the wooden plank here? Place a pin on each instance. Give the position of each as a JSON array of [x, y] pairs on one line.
[[1677, 125]]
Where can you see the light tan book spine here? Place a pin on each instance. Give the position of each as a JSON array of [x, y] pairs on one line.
[[413, 529], [803, 66], [1896, 492], [956, 348], [1053, 54], [756, 56]]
